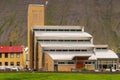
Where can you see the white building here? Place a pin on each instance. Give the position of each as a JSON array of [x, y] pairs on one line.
[[63, 48]]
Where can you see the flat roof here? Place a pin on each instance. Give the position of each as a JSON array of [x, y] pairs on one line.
[[61, 34], [65, 45], [108, 54], [57, 27], [67, 55], [101, 46]]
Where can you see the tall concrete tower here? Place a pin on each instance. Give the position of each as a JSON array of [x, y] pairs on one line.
[[35, 18]]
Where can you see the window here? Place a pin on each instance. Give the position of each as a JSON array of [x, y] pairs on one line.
[[65, 50], [0, 63], [18, 55], [70, 62], [11, 55], [83, 50], [61, 62], [27, 57], [89, 62], [0, 55], [18, 64], [11, 63], [6, 63], [6, 55], [77, 50], [52, 50], [58, 50]]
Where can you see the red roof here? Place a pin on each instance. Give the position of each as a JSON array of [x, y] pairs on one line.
[[10, 49]]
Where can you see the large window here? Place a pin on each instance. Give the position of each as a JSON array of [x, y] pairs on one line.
[[11, 63], [18, 55], [6, 55], [12, 55], [6, 63], [0, 55], [18, 64]]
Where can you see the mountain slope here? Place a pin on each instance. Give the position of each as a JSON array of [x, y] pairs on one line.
[[101, 18]]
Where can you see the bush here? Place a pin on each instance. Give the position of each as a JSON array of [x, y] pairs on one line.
[[84, 69]]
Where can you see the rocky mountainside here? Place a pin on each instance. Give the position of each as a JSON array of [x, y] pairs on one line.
[[101, 19]]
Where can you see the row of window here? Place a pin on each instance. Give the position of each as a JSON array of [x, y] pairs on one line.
[[82, 50], [71, 62], [101, 48], [66, 62], [11, 64], [89, 62], [65, 40], [11, 55], [58, 30]]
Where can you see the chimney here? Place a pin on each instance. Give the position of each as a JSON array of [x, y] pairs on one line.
[[10, 43]]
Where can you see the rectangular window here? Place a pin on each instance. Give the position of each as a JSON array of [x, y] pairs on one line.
[[6, 55], [0, 55], [18, 55], [70, 62], [11, 63], [0, 63], [6, 63], [18, 64], [61, 62], [11, 55]]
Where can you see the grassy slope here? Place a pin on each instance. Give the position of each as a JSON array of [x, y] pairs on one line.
[[57, 76], [101, 18]]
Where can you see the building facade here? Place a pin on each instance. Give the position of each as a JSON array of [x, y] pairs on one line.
[[35, 17], [12, 56], [65, 48]]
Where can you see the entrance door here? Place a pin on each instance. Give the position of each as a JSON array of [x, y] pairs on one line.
[[79, 65], [55, 67]]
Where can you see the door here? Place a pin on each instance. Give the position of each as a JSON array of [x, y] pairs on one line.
[[55, 67], [79, 65]]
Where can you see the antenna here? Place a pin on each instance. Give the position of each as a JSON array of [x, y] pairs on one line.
[[46, 3]]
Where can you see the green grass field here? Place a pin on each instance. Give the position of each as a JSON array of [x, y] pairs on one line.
[[58, 76]]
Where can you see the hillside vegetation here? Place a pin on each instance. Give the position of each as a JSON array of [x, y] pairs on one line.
[[101, 19]]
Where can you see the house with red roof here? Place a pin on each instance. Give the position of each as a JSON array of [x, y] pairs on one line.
[[12, 56]]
